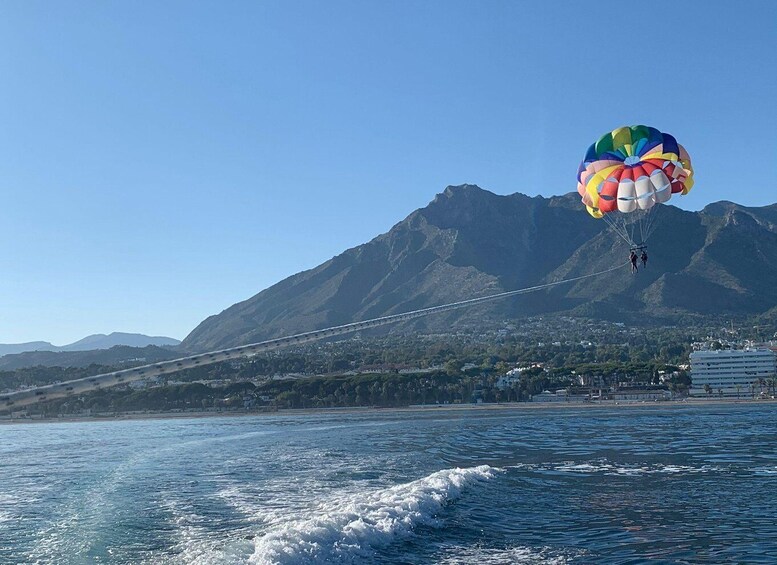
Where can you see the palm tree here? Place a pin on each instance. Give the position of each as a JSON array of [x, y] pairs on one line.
[[707, 389], [739, 387]]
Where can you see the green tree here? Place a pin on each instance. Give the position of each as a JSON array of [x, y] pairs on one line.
[[453, 368]]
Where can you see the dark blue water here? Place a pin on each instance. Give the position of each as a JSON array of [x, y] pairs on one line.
[[664, 485]]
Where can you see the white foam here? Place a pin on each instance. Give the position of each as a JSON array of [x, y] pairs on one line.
[[765, 470], [605, 467], [353, 525], [608, 468], [461, 555], [8, 502]]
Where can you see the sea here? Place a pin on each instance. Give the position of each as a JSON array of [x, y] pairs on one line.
[[620, 485]]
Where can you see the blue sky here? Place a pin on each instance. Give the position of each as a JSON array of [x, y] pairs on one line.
[[160, 161]]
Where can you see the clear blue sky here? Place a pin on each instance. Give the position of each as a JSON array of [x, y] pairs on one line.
[[160, 161]]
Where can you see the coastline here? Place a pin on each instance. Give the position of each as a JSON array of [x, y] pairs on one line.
[[499, 407]]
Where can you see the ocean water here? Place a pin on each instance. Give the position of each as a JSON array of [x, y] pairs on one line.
[[690, 484]]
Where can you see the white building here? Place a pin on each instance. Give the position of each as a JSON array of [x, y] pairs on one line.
[[512, 378], [732, 371], [561, 395], [547, 396]]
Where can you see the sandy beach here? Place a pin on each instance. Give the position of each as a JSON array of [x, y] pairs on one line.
[[506, 406]]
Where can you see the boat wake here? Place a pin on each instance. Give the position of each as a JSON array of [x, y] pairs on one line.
[[352, 526]]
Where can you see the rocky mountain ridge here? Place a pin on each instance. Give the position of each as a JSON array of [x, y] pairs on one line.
[[470, 242]]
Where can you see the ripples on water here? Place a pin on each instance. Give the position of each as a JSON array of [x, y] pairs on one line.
[[665, 485]]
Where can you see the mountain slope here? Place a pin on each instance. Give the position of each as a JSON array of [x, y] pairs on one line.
[[469, 242]]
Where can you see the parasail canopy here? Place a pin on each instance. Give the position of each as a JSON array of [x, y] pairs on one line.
[[629, 171]]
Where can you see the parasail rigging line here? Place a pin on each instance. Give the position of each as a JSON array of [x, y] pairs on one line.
[[626, 226], [27, 397], [619, 226]]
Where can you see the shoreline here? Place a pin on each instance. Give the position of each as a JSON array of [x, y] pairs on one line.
[[499, 407]]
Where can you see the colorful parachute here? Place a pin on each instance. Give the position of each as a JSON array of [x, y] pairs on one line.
[[630, 170]]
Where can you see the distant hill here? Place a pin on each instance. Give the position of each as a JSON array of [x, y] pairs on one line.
[[115, 356], [470, 242], [96, 341], [11, 348], [102, 341]]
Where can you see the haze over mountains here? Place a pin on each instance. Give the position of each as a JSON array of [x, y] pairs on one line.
[[95, 341], [470, 242]]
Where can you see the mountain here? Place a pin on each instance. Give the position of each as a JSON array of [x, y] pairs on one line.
[[102, 341], [96, 341], [470, 242]]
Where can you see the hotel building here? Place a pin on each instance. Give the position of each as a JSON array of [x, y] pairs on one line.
[[732, 371]]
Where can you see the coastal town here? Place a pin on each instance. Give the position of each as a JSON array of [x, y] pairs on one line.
[[584, 362]]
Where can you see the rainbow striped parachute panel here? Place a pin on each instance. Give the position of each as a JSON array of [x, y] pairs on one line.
[[633, 168]]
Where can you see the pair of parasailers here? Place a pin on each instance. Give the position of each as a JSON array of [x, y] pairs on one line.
[[633, 258]]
